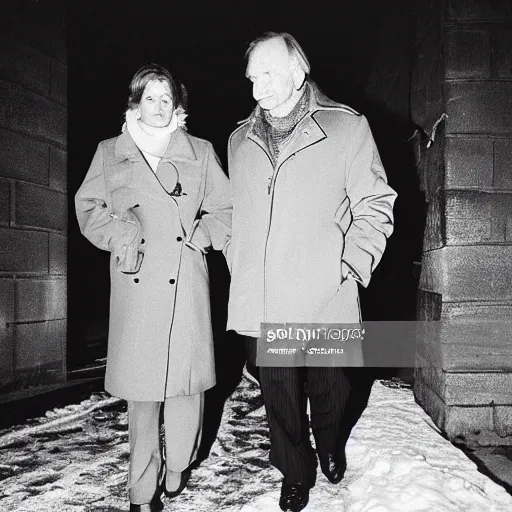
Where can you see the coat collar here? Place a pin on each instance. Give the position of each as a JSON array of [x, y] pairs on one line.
[[179, 148], [318, 101], [306, 133]]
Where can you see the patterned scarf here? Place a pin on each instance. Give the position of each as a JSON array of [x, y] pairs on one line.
[[278, 130]]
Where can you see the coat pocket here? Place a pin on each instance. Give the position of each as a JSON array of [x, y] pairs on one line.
[[131, 263], [343, 306]]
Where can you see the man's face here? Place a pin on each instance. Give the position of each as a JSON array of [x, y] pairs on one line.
[[156, 105], [270, 72]]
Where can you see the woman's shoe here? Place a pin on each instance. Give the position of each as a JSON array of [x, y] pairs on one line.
[[156, 505], [185, 475]]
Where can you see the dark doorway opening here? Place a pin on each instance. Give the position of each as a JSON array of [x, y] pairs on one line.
[[203, 44]]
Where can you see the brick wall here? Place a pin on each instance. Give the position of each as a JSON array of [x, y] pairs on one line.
[[33, 194], [467, 261]]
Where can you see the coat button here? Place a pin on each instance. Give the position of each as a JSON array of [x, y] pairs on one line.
[[172, 281], [143, 241], [136, 280], [179, 239]]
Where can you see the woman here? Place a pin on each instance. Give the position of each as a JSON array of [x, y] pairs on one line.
[[157, 199]]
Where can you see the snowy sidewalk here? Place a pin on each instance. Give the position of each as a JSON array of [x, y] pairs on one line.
[[76, 459]]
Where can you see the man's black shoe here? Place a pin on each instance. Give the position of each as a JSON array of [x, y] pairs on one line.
[[294, 496], [335, 469]]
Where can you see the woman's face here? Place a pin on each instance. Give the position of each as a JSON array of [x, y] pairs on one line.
[[156, 105]]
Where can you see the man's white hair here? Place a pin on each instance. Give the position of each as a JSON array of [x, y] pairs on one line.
[[294, 48]]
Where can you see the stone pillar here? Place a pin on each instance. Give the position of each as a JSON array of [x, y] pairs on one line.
[[464, 82], [33, 194]]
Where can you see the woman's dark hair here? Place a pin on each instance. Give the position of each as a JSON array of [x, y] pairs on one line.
[[148, 73]]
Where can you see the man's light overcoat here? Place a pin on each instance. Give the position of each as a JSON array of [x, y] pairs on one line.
[[326, 201]]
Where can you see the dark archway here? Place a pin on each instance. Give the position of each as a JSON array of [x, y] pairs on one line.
[[203, 44]]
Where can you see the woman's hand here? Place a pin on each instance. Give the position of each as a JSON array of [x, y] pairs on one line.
[[198, 238], [127, 250]]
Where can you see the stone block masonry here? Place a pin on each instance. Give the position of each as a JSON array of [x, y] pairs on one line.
[[463, 380], [33, 195]]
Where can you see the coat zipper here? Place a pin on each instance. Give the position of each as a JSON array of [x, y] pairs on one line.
[[271, 189]]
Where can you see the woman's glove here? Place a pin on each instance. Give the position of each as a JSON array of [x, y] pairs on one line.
[[127, 252]]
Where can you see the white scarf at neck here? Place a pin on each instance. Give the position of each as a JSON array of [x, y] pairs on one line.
[[148, 138]]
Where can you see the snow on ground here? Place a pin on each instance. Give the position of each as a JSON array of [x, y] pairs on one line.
[[76, 460]]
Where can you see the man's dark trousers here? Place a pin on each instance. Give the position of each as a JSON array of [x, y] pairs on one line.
[[285, 393]]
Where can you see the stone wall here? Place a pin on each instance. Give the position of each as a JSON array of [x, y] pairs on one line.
[[33, 194], [467, 175]]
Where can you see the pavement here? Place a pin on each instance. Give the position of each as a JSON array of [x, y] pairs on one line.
[[494, 462], [74, 458]]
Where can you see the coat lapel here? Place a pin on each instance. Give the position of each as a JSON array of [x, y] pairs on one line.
[[180, 148], [182, 156], [306, 133], [125, 149], [256, 136], [142, 176], [180, 153]]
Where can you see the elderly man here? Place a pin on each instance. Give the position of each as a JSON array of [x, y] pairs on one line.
[[311, 214]]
